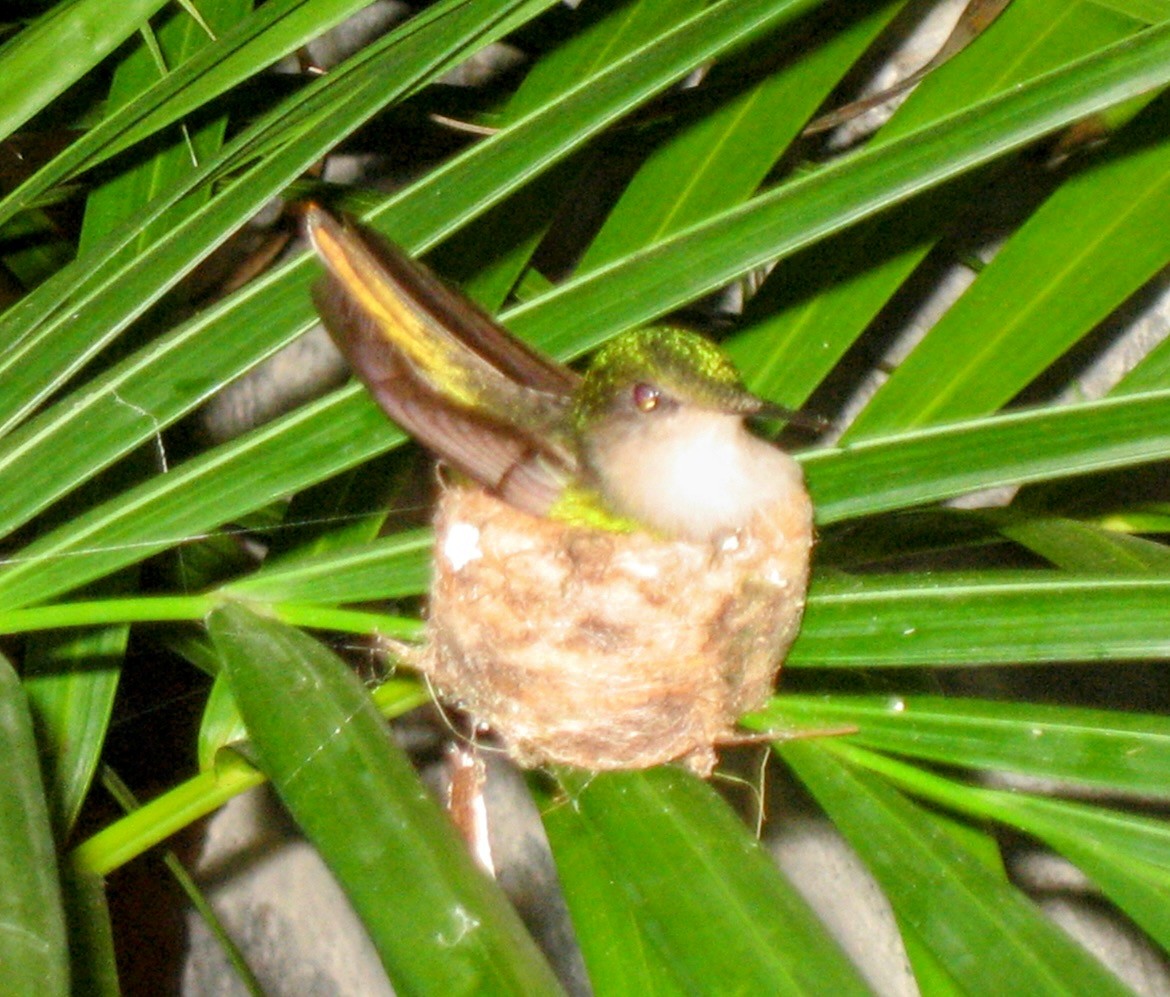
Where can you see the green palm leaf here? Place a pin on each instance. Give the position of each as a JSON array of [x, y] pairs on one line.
[[101, 360]]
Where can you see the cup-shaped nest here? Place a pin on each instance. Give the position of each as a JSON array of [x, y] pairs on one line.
[[610, 650]]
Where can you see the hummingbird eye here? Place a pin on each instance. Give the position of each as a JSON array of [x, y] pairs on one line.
[[646, 397]]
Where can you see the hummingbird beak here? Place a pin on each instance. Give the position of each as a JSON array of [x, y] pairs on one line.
[[755, 407]]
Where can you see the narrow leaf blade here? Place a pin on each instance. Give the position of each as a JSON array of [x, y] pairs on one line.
[[440, 926]]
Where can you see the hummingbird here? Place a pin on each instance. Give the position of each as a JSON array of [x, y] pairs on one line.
[[653, 436], [622, 563]]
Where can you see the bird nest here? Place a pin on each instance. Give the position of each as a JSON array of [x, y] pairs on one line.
[[610, 650]]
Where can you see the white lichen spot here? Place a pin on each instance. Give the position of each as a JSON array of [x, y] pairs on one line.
[[640, 568], [463, 924], [461, 545], [774, 577], [730, 543]]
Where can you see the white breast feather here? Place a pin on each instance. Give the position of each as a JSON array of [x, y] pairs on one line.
[[698, 475]]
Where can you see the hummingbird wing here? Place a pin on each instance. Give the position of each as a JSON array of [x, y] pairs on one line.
[[461, 384]]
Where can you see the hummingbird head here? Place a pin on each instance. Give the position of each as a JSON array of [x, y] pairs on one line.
[[659, 424], [655, 371]]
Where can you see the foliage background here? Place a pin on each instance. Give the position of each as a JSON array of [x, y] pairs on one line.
[[176, 137]]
